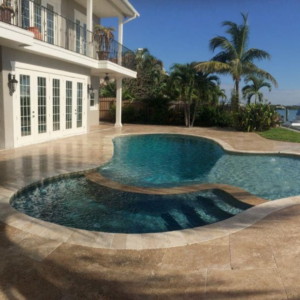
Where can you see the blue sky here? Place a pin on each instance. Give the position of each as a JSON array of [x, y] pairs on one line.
[[179, 32]]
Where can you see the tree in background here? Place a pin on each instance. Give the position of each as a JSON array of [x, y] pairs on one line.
[[193, 88], [150, 83], [151, 77], [253, 89], [235, 58]]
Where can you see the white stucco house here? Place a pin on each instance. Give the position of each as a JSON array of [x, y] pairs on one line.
[[51, 64]]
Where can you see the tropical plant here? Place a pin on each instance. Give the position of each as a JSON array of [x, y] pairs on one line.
[[213, 115], [109, 90], [103, 36], [193, 88], [257, 117], [235, 58], [253, 89], [151, 78]]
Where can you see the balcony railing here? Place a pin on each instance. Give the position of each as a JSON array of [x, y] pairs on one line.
[[52, 28]]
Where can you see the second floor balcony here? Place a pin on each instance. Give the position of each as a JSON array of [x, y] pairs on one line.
[[50, 27]]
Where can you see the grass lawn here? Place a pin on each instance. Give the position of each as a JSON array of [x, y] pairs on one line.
[[281, 134]]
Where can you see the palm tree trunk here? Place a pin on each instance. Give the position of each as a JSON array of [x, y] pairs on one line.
[[194, 113], [186, 113], [255, 98], [237, 95], [189, 115]]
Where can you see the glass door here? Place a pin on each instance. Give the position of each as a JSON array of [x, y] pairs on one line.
[[56, 106], [50, 24], [81, 33], [25, 110], [41, 108], [79, 106]]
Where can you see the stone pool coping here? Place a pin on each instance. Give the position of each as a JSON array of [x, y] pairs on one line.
[[236, 192], [184, 237]]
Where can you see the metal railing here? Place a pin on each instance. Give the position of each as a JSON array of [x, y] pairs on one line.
[[52, 28]]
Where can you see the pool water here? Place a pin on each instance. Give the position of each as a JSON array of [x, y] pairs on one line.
[[165, 160], [79, 203]]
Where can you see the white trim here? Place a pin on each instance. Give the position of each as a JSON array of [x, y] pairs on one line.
[[24, 66]]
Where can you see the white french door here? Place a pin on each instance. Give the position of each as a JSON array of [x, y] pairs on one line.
[[48, 107]]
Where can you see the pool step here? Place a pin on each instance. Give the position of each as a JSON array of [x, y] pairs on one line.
[[171, 223], [213, 210], [230, 200], [192, 215]]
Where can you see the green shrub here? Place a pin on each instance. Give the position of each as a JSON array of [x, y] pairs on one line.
[[208, 115], [256, 117], [128, 113]]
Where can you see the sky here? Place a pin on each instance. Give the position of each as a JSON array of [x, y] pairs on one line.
[[179, 32]]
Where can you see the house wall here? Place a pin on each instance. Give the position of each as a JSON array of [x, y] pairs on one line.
[[2, 131], [94, 112], [13, 55], [68, 8]]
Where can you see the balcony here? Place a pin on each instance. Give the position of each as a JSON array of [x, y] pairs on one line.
[[52, 28]]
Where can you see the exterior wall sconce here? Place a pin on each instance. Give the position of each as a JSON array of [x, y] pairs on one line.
[[12, 82], [106, 78], [90, 88]]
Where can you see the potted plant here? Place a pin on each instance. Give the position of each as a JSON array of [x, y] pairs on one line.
[[6, 11], [103, 36], [36, 32]]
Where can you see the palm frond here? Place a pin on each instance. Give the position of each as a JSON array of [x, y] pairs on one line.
[[252, 69], [213, 67], [223, 43], [254, 53]]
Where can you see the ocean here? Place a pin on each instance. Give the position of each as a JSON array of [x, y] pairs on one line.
[[292, 114]]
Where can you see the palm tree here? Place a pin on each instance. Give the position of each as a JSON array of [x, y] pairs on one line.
[[192, 88], [207, 91], [251, 90], [183, 83], [235, 58]]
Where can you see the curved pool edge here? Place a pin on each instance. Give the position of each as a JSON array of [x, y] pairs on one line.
[[63, 234], [236, 192], [119, 241]]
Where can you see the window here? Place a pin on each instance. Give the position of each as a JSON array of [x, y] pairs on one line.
[[38, 14], [50, 24], [25, 14], [92, 99]]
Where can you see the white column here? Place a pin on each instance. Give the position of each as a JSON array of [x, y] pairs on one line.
[[120, 40], [89, 15], [119, 103]]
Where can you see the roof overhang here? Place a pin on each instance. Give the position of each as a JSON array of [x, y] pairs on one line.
[[111, 8]]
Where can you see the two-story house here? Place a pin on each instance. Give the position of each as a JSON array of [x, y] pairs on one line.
[[51, 62]]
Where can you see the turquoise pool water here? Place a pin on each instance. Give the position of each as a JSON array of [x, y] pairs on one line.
[[160, 160], [79, 203]]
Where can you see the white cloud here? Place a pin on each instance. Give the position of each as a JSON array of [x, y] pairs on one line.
[[276, 96]]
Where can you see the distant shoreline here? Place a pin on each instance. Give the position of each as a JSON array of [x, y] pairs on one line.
[[295, 107]]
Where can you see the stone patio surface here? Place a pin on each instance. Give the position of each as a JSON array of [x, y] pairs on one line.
[[261, 261]]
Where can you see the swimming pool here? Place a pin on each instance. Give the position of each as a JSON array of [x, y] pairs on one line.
[[160, 160], [166, 160], [79, 203]]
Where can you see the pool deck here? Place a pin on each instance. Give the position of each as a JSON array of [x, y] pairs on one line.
[[39, 260]]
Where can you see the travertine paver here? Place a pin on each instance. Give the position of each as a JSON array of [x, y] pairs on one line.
[[259, 262]]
